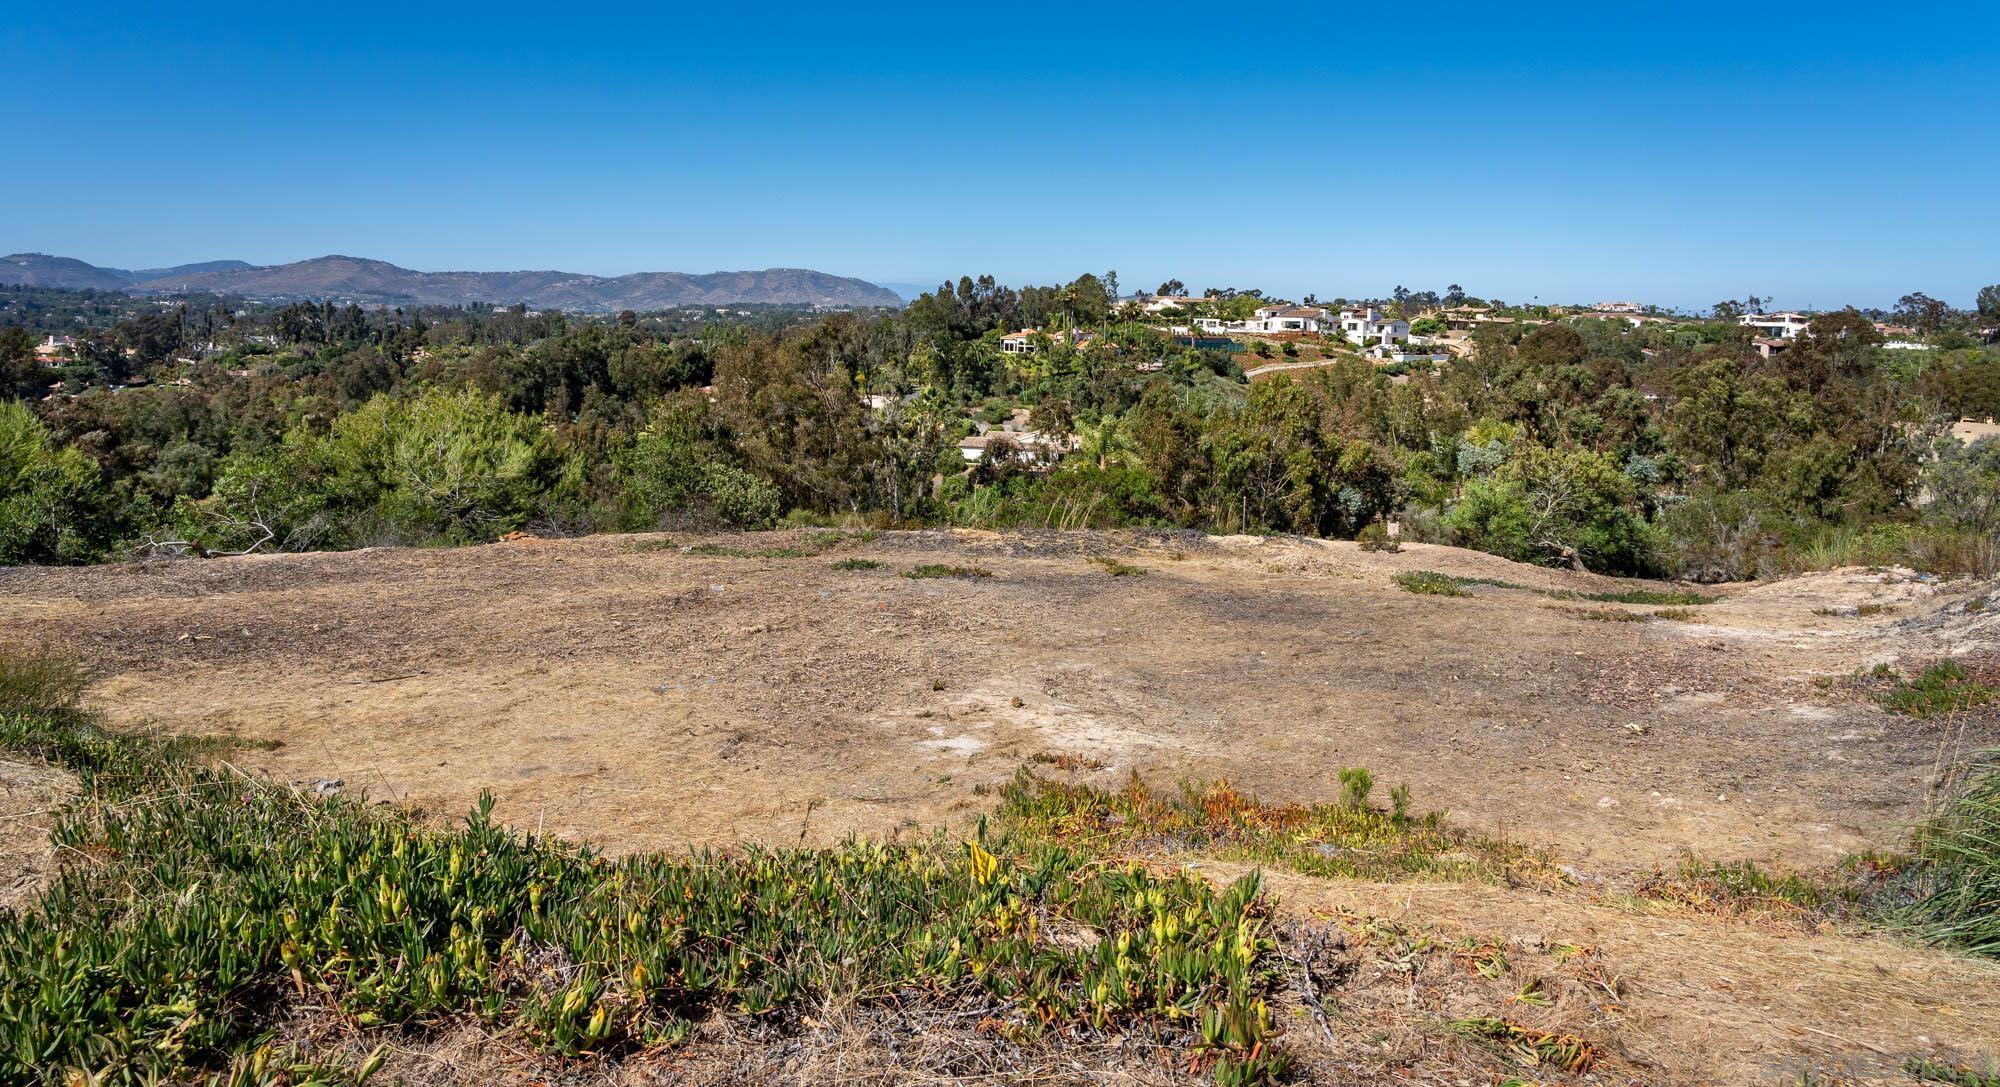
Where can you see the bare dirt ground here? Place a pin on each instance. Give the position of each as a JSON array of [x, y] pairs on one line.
[[627, 691], [648, 697]]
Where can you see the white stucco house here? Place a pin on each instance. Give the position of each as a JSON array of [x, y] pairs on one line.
[[1277, 318], [1363, 323], [1782, 326]]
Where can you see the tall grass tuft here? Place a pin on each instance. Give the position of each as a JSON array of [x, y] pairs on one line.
[[1957, 854], [39, 682]]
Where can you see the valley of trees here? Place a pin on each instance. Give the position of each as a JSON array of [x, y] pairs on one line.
[[1671, 450]]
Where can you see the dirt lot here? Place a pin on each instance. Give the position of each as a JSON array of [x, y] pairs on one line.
[[626, 690], [647, 697]]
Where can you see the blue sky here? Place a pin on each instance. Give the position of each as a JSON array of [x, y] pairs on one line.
[[1819, 155]]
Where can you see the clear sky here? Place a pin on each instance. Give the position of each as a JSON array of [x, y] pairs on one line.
[[1817, 154]]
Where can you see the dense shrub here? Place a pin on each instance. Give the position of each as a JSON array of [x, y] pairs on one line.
[[1374, 536], [1553, 505], [673, 473], [53, 506]]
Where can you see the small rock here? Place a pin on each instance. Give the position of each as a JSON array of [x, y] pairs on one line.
[[327, 786]]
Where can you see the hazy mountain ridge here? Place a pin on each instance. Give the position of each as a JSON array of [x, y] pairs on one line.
[[361, 279]]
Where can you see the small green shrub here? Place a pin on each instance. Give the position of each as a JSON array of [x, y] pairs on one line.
[[1116, 568], [1942, 688], [1374, 536], [1355, 785], [856, 564]]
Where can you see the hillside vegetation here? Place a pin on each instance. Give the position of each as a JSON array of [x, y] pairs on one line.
[[1664, 450]]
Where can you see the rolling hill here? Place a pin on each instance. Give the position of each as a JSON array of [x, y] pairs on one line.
[[358, 279]]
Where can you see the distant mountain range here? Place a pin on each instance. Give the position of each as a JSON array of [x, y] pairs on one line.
[[356, 279]]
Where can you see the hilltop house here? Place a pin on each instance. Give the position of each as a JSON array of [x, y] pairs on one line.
[[1292, 318], [1030, 447], [1782, 326], [1276, 318], [1156, 303], [1024, 342], [55, 348], [1363, 323]]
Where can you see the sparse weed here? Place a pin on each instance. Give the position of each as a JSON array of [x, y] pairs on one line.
[[1931, 1070], [938, 569], [1605, 615], [1430, 583], [1743, 887], [1678, 615], [1116, 568], [806, 545], [724, 551], [855, 564], [1634, 596], [1066, 761], [1348, 839], [1534, 1048], [1437, 584], [1534, 994]]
